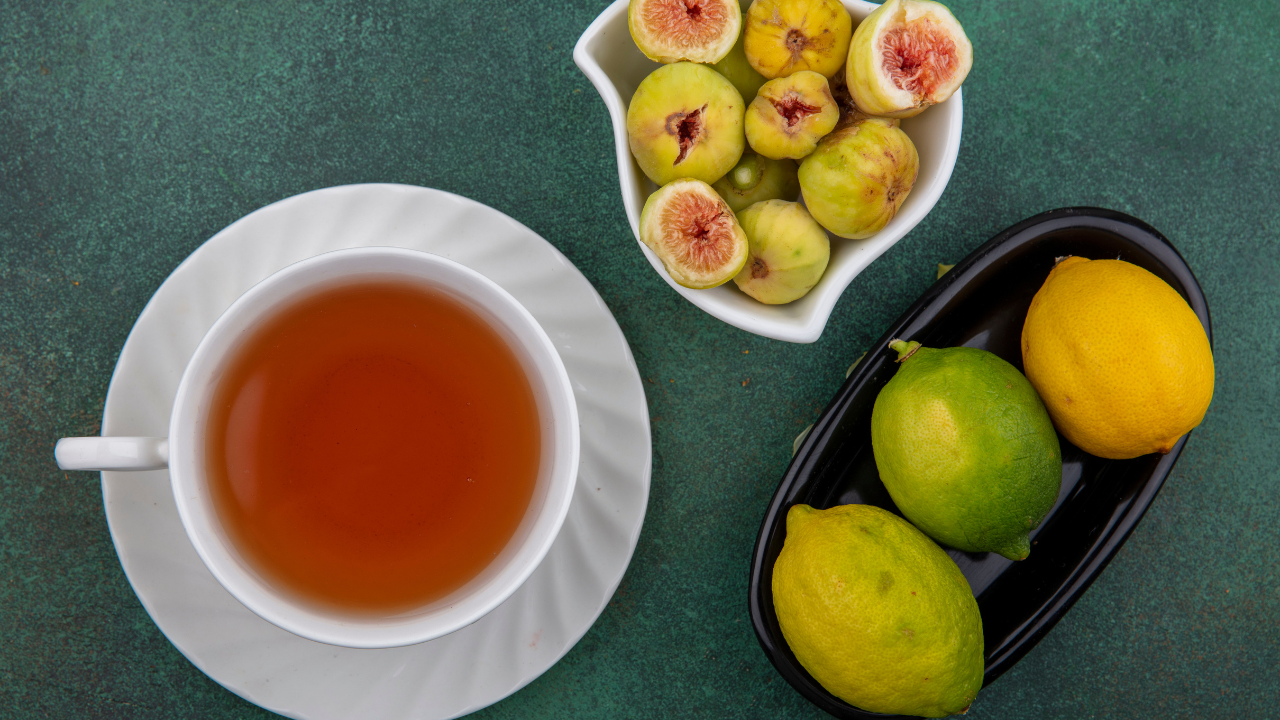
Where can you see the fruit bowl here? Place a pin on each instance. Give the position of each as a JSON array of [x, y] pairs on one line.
[[607, 56], [982, 303]]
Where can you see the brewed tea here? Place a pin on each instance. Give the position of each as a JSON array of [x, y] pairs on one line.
[[373, 447]]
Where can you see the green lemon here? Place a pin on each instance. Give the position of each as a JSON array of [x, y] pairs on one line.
[[877, 613], [966, 448]]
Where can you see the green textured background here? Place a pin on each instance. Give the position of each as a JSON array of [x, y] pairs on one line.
[[130, 132]]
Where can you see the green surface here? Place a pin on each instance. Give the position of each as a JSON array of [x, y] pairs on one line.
[[130, 132]]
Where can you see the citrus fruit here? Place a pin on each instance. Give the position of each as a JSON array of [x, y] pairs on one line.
[[966, 449], [1122, 362], [877, 613]]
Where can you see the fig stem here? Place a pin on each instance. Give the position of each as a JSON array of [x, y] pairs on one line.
[[746, 176], [903, 348]]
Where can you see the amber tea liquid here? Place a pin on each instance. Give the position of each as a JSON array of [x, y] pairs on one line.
[[373, 447]]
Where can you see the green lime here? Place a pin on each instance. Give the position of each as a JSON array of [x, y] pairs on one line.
[[877, 613], [966, 448]]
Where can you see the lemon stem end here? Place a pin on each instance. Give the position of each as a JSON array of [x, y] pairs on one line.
[[903, 348]]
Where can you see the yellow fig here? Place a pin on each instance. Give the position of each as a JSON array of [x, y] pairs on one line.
[[790, 115], [756, 179], [859, 176], [735, 67], [685, 120], [786, 36], [789, 252]]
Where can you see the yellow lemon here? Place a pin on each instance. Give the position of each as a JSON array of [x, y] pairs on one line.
[[1119, 358], [877, 613]]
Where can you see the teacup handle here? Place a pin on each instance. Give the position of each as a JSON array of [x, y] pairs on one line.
[[112, 453]]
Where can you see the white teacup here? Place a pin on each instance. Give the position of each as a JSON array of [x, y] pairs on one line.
[[182, 451]]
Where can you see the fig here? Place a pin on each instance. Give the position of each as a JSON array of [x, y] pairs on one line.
[[906, 56], [785, 36], [849, 112], [789, 252], [735, 67], [699, 31], [790, 115], [685, 120], [694, 233], [756, 179], [859, 176]]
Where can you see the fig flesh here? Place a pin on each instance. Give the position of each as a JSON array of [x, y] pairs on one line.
[[859, 176], [685, 120], [789, 252], [785, 36], [694, 233], [790, 115], [735, 67], [906, 56], [670, 31], [755, 179]]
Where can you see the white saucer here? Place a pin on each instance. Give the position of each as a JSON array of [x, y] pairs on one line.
[[477, 665]]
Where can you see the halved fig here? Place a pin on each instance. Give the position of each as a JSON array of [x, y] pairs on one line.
[[786, 36], [694, 233], [906, 56], [668, 31], [790, 115], [685, 120]]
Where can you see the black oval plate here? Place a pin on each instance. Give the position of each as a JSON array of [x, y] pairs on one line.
[[982, 303]]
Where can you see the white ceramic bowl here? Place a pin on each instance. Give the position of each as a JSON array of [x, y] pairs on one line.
[[610, 59]]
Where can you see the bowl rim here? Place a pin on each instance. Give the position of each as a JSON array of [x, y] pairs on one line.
[[825, 430], [804, 320]]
